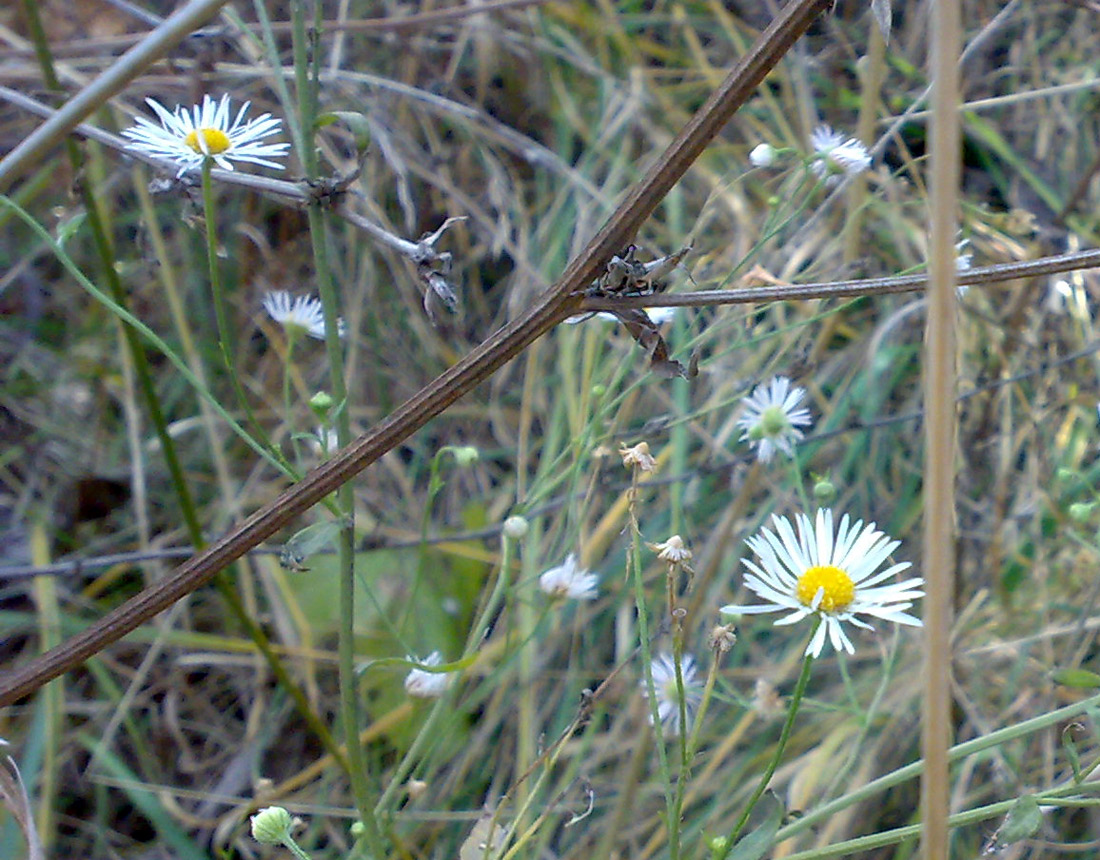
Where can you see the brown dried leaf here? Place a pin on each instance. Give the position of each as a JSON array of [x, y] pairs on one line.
[[648, 336]]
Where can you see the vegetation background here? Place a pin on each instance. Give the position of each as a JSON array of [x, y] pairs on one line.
[[531, 119]]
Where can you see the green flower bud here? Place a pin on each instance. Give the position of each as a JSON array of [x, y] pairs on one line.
[[824, 492], [515, 527], [1080, 512], [320, 403], [271, 826], [465, 456]]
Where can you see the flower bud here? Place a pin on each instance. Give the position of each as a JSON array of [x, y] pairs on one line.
[[824, 491], [515, 527], [271, 826], [1080, 512], [763, 155], [465, 456], [320, 403]]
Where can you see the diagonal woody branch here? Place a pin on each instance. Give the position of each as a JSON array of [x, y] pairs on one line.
[[549, 309]]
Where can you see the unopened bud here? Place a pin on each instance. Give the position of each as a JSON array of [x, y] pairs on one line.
[[515, 527], [271, 826]]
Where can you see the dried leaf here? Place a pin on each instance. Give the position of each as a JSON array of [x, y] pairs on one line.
[[485, 838], [648, 336]]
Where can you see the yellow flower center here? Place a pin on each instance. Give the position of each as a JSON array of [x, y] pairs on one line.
[[839, 588], [216, 140]]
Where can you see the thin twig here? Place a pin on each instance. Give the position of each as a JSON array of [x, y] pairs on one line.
[[551, 307]]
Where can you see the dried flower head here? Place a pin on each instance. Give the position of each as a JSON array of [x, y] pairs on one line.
[[835, 156], [638, 457], [189, 136], [772, 418], [722, 638], [673, 550], [570, 581], [765, 699], [829, 575]]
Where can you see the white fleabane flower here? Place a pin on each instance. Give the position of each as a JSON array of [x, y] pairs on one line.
[[187, 137], [569, 581], [427, 685], [772, 418], [832, 576], [837, 156], [304, 313], [763, 155], [659, 316], [663, 668]]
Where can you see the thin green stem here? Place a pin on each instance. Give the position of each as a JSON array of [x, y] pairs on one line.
[[634, 564], [780, 747]]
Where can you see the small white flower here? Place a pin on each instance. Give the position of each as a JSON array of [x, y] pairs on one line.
[[427, 685], [569, 581], [835, 156], [772, 418], [187, 137], [325, 440], [963, 260], [763, 155], [663, 668], [303, 313], [659, 316], [830, 576]]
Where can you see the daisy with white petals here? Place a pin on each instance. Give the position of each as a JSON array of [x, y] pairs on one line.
[[427, 685], [836, 156], [663, 668], [772, 418], [303, 313], [570, 581], [189, 136], [832, 576]]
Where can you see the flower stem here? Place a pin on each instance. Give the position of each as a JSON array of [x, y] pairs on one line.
[[784, 736]]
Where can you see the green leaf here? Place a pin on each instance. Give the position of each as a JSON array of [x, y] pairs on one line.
[[355, 122], [1076, 678], [1022, 821], [1071, 750], [761, 838]]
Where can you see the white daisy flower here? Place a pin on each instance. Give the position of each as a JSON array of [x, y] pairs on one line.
[[303, 313], [569, 581], [427, 685], [763, 155], [829, 576], [835, 156], [772, 418], [663, 668], [187, 137], [659, 316]]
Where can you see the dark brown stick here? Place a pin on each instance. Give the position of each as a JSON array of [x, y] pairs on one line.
[[549, 309]]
